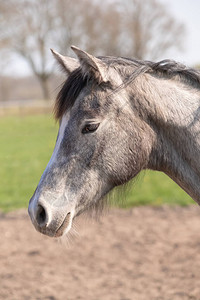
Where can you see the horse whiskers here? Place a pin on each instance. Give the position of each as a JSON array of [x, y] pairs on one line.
[[74, 232]]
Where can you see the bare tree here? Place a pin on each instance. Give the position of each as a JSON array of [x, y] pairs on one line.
[[30, 25], [149, 29], [89, 25], [141, 29]]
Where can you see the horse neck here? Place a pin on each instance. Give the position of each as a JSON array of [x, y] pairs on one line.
[[174, 117]]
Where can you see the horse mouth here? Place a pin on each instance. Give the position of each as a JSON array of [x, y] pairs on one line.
[[66, 224]]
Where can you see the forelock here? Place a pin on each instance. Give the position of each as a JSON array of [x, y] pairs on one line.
[[69, 93]]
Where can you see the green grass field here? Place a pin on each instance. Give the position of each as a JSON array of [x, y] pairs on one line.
[[26, 147]]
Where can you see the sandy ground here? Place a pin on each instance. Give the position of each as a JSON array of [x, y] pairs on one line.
[[139, 254]]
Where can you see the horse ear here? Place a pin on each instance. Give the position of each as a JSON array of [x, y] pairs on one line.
[[91, 65], [68, 64]]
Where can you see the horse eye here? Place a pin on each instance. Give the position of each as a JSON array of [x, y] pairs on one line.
[[88, 128]]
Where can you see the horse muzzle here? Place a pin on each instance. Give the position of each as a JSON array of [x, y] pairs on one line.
[[49, 219]]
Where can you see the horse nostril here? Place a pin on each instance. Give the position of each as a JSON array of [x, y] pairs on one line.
[[41, 215]]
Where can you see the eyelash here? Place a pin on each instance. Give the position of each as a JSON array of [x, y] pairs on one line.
[[89, 128]]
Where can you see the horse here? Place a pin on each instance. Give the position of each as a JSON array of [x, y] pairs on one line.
[[117, 116]]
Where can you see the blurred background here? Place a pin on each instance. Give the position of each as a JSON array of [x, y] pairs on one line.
[[30, 80], [151, 249]]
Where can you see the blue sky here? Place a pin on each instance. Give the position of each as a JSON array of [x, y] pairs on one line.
[[185, 11]]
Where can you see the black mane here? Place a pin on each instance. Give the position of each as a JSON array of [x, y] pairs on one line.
[[69, 92], [165, 68]]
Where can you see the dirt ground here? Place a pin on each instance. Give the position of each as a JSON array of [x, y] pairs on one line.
[[139, 254]]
